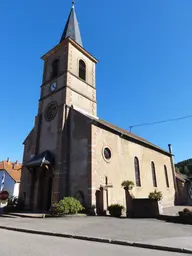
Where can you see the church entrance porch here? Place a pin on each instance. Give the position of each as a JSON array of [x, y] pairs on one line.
[[41, 189], [44, 189], [41, 170]]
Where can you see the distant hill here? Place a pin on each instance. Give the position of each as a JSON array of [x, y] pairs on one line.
[[184, 167]]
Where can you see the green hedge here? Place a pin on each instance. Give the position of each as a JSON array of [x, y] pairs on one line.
[[68, 205]]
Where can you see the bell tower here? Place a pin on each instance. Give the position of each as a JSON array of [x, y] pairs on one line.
[[69, 72], [68, 81]]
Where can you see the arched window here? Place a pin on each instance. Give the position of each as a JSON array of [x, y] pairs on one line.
[[166, 176], [137, 172], [55, 68], [153, 174], [82, 70]]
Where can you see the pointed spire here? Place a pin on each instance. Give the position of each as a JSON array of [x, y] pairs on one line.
[[72, 27]]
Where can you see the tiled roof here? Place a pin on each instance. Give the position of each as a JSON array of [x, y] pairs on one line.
[[122, 132], [13, 169], [180, 177], [133, 136]]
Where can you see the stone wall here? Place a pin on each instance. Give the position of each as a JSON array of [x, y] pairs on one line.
[[145, 208], [81, 93], [121, 167], [80, 156]]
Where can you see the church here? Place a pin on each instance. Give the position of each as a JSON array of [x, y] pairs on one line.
[[70, 151]]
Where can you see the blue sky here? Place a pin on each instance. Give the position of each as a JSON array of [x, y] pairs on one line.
[[144, 72]]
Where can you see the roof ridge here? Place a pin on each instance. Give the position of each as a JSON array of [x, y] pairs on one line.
[[132, 135]]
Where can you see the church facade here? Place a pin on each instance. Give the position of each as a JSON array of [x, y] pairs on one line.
[[72, 152]]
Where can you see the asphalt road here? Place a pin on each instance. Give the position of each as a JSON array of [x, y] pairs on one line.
[[15, 243]]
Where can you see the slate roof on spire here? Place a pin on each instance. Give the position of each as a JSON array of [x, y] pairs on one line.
[[72, 28]]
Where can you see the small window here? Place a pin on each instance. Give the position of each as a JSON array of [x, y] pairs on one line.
[[153, 174], [82, 70], [107, 153], [137, 172], [166, 176], [55, 68]]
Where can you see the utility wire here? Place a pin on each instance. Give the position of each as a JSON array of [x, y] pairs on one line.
[[159, 122]]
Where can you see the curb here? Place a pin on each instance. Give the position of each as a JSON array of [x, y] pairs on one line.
[[175, 219], [7, 216], [18, 215], [40, 216], [101, 240]]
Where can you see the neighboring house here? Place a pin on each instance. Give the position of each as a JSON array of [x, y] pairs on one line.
[[181, 198], [184, 189], [189, 190], [10, 174]]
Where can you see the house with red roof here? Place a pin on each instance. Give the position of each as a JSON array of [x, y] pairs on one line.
[[10, 175]]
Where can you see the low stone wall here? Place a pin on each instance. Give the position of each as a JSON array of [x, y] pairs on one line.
[[145, 208], [176, 219]]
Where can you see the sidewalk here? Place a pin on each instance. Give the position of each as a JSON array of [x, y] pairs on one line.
[[147, 233]]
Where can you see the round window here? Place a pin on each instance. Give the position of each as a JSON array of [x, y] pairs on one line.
[[51, 111], [107, 153]]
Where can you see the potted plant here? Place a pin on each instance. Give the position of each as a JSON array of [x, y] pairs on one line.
[[127, 184], [157, 195], [186, 212], [115, 210]]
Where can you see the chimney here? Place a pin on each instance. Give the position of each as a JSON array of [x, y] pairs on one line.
[[16, 162], [170, 149], [8, 159]]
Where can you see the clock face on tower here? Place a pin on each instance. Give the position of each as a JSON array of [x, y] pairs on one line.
[[53, 87]]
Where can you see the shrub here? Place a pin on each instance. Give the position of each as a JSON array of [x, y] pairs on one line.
[[56, 210], [185, 213], [68, 205], [186, 210], [127, 184], [157, 195], [115, 210]]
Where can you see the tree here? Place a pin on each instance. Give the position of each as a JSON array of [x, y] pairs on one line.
[[184, 167]]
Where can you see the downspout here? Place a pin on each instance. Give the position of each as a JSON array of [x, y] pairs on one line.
[[173, 170]]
